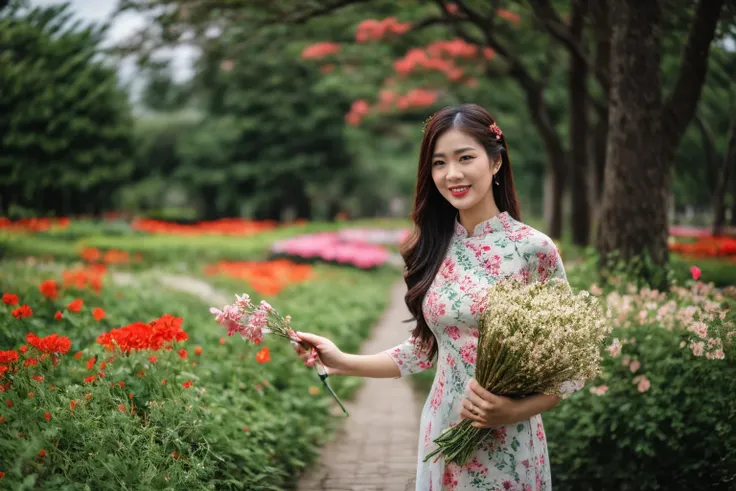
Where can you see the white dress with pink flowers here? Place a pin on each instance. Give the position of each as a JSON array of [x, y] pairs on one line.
[[515, 458]]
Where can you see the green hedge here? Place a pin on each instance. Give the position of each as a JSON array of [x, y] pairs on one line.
[[242, 425]]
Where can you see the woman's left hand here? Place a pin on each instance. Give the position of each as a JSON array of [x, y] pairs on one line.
[[487, 410]]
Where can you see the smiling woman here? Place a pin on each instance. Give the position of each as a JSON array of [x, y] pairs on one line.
[[467, 237]]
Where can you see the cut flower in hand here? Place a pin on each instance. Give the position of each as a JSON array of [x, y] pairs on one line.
[[252, 322]]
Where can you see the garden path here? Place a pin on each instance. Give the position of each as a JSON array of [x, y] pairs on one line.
[[182, 283], [376, 447]]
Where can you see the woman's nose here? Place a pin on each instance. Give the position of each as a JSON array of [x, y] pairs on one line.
[[453, 173]]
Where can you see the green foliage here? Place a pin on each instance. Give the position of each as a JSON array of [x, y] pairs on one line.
[[676, 434], [65, 129], [242, 425]]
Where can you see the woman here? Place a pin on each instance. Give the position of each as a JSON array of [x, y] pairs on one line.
[[467, 235]]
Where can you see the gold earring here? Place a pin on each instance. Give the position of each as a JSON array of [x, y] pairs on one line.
[[495, 179]]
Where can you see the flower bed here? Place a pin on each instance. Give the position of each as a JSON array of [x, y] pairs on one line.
[[33, 224], [140, 388], [332, 247], [707, 247], [224, 226], [266, 278]]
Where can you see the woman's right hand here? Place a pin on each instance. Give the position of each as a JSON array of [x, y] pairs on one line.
[[329, 354]]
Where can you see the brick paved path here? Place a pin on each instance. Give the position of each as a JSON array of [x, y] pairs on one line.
[[376, 448]]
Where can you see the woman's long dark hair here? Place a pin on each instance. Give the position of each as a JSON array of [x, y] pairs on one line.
[[434, 216]]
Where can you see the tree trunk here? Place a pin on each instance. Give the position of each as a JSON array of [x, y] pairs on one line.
[[633, 218], [724, 176], [602, 29], [643, 133], [578, 131], [733, 202], [554, 188]]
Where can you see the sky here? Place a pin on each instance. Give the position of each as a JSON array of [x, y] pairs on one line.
[[100, 11]]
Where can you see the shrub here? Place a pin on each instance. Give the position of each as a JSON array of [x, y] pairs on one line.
[[209, 417], [659, 416]]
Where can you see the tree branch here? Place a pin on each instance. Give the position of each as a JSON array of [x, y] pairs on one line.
[[551, 20], [320, 11], [681, 104], [516, 68], [709, 149]]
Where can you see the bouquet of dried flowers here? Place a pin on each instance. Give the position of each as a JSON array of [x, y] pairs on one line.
[[252, 322], [533, 338]]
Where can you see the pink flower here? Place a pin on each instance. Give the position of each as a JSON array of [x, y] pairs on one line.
[[634, 366], [700, 329], [643, 385], [243, 300], [468, 353], [600, 390], [695, 272], [697, 348], [453, 332], [615, 348]]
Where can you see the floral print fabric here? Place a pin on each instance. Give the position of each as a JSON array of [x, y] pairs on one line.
[[515, 457]]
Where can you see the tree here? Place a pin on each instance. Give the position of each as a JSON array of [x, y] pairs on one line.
[[644, 131], [65, 130]]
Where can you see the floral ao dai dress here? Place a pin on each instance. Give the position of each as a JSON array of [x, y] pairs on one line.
[[515, 456]]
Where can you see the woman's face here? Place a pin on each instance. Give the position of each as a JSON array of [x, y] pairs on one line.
[[462, 171]]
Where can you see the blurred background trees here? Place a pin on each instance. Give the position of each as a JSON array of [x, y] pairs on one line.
[[309, 110]]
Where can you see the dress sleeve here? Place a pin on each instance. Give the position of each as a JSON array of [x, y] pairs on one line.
[[410, 357], [547, 264]]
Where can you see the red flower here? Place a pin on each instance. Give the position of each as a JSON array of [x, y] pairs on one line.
[[163, 382], [91, 363], [38, 378], [9, 403], [187, 384], [695, 272], [58, 315], [263, 356], [78, 355], [121, 407], [183, 353], [49, 289], [98, 314], [30, 362], [42, 453], [8, 356], [53, 343], [198, 350], [47, 416], [222, 340], [121, 383], [75, 305], [140, 336], [23, 348], [10, 298], [89, 379], [22, 311], [72, 405]]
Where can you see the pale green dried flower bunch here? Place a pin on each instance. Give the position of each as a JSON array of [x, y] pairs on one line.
[[532, 338]]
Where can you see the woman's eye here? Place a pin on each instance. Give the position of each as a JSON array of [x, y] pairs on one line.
[[437, 162], [466, 157]]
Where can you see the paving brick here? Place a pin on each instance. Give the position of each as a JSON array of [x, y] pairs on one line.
[[376, 447]]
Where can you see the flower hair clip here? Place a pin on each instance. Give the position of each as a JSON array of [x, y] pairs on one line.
[[426, 123], [496, 130]]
